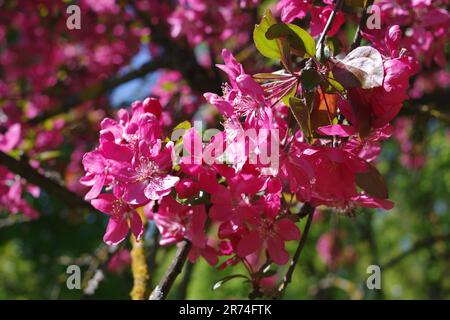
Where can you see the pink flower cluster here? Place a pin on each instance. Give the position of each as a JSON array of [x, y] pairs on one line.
[[12, 187], [63, 63], [211, 21], [243, 201], [425, 24], [298, 9]]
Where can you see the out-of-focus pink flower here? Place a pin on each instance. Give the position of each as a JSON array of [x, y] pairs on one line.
[[119, 261]]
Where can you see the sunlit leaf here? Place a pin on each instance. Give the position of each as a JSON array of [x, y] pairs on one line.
[[299, 39], [268, 48], [363, 67]]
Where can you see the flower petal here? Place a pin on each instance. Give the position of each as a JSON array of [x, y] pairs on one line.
[[249, 244], [137, 228], [287, 230], [116, 231], [277, 252], [104, 202]]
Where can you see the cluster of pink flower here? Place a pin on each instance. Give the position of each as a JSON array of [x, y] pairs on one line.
[[299, 9], [252, 204], [62, 60], [247, 200], [12, 187], [212, 21], [425, 24]]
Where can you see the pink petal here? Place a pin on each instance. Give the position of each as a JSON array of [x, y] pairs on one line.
[[94, 162], [277, 252], [137, 228], [116, 231], [197, 224], [160, 186], [287, 230], [249, 244], [221, 212], [104, 203], [99, 181], [337, 130], [116, 152], [11, 137], [134, 193]]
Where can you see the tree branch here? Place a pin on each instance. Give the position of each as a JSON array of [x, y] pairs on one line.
[[183, 57], [139, 269], [362, 23], [162, 289], [421, 244], [101, 88], [307, 210], [26, 171]]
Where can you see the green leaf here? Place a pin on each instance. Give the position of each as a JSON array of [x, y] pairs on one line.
[[186, 125], [373, 183], [47, 155], [299, 39], [301, 115], [268, 48], [274, 76], [289, 95], [333, 85], [362, 67], [310, 78]]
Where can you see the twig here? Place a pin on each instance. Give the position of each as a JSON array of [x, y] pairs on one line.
[[183, 287], [421, 244], [337, 7], [357, 39], [162, 289], [26, 171], [99, 264], [309, 210]]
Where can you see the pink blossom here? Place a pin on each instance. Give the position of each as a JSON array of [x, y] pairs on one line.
[[119, 261], [122, 217], [176, 222], [147, 178], [267, 232]]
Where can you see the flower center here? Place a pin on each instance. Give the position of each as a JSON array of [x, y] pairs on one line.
[[146, 169], [120, 209], [266, 228]]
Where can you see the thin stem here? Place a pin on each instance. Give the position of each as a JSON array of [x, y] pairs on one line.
[[162, 289], [357, 39], [327, 28], [307, 210]]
